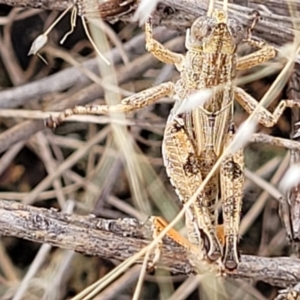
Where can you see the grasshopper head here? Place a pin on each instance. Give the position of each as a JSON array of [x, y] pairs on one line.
[[215, 34]]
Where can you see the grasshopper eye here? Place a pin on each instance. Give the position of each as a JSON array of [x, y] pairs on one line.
[[202, 27], [236, 30]]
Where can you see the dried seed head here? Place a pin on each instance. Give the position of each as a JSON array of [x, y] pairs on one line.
[[42, 39], [37, 44]]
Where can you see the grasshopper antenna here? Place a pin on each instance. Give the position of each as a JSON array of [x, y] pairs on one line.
[[211, 7]]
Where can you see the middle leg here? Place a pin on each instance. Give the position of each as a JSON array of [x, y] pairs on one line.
[[265, 117]]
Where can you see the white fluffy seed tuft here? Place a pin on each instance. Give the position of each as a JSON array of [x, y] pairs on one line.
[[194, 100], [290, 179], [243, 135], [144, 10]]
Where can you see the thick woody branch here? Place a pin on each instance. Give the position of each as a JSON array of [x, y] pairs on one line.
[[179, 14], [120, 239]]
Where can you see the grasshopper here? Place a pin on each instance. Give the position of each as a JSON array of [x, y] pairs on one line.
[[289, 294], [194, 139]]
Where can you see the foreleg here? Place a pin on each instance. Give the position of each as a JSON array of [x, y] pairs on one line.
[[137, 101], [159, 51]]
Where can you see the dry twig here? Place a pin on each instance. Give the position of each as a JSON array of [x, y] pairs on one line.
[[120, 239]]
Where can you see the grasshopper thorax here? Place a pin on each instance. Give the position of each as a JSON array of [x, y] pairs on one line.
[[215, 34]]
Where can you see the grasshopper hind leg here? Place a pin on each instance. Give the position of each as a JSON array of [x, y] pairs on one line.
[[232, 181], [184, 169]]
